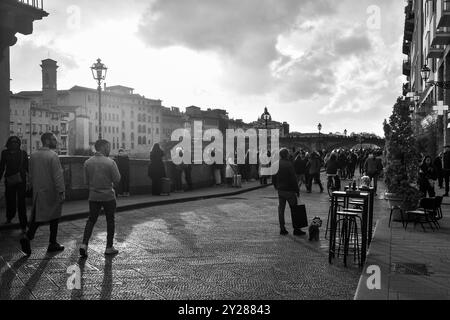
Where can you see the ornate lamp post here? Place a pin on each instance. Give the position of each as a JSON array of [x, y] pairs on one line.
[[99, 73], [345, 133]]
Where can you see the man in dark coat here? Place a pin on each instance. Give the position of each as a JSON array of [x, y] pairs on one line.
[[14, 162], [286, 183]]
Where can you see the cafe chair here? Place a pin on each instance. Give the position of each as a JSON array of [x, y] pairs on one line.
[[330, 210], [425, 214], [402, 216]]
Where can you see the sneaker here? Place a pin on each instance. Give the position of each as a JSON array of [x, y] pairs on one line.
[[299, 233], [284, 232], [25, 244], [111, 251], [55, 247], [83, 251]]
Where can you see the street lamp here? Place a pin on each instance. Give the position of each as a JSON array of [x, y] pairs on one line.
[[99, 73], [345, 133], [425, 74]]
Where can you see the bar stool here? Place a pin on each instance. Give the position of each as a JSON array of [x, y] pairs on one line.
[[347, 226], [341, 203]]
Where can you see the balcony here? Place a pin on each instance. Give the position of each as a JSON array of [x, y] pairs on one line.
[[443, 13], [407, 68], [435, 52], [441, 36], [37, 4]]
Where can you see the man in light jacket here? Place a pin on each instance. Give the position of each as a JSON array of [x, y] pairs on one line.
[[101, 173], [47, 181]]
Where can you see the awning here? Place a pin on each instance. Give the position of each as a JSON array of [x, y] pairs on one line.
[[426, 94]]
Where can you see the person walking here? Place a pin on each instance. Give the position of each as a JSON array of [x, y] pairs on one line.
[[446, 168], [47, 181], [372, 168], [123, 164], [14, 167], [314, 165], [300, 163], [285, 183], [100, 174], [156, 169], [439, 171], [427, 177]]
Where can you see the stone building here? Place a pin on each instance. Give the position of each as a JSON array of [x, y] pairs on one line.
[[426, 44], [29, 120], [129, 120]]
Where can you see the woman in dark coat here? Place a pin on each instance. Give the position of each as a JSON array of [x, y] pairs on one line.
[[156, 170], [14, 166], [427, 177]]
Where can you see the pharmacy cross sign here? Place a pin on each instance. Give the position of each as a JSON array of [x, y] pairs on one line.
[[440, 108]]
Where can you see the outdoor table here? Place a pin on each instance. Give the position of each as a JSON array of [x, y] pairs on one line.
[[346, 196], [371, 204]]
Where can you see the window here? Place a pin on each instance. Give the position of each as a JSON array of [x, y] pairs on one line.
[[123, 124], [157, 119], [132, 137], [139, 141], [157, 130]]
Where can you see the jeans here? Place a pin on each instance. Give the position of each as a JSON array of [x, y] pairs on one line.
[[316, 177], [301, 179], [53, 230], [15, 201], [447, 180], [283, 196], [94, 210]]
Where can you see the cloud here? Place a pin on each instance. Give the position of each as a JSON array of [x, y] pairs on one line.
[[244, 33], [354, 44], [26, 58]]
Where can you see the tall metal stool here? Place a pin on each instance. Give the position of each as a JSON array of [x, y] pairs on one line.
[[347, 226]]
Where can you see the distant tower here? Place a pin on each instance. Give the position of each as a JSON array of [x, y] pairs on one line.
[[49, 87]]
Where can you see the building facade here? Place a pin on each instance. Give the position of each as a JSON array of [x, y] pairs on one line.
[[29, 120], [426, 44], [129, 120]]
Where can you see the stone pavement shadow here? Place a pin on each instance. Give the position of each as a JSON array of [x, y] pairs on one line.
[[7, 279], [36, 276], [107, 282]]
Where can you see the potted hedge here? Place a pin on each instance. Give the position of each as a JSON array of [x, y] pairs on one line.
[[401, 160]]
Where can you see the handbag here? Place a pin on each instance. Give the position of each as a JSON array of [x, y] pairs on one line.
[[15, 179], [299, 217]]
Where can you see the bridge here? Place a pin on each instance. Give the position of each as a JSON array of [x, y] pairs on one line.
[[315, 141]]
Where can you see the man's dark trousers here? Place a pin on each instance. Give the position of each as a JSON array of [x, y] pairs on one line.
[[95, 208], [283, 197], [15, 199]]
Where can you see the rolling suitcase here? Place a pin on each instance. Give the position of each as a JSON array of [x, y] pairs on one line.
[[237, 181], [165, 186]]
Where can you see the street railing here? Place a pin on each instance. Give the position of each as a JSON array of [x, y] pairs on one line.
[[38, 4]]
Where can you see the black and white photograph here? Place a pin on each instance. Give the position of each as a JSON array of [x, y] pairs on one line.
[[227, 157]]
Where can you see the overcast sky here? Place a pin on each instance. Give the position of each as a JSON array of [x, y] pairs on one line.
[[337, 62]]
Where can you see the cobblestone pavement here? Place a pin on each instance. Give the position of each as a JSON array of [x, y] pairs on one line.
[[227, 248]]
